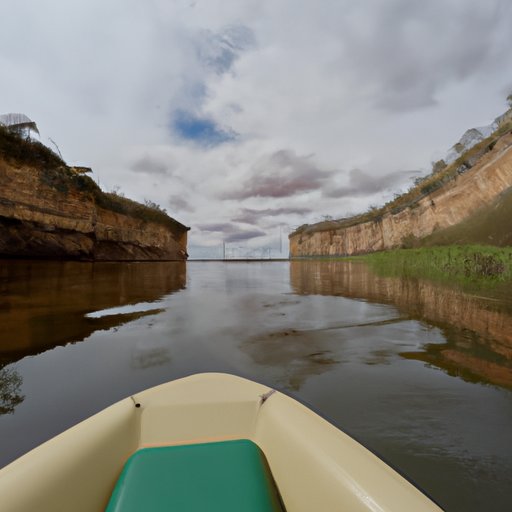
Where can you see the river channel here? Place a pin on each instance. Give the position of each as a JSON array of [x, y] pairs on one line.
[[420, 374]]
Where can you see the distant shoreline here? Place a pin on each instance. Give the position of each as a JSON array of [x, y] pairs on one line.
[[237, 260]]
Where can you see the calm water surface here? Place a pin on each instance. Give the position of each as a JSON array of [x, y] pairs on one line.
[[418, 373]]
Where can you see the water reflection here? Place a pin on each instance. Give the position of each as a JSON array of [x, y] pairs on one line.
[[469, 356], [46, 304], [477, 329], [301, 354], [311, 350], [147, 354], [10, 390]]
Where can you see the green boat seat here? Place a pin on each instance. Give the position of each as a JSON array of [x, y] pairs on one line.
[[227, 476]]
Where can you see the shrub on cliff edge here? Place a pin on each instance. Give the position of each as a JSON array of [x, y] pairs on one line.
[[114, 202], [19, 151]]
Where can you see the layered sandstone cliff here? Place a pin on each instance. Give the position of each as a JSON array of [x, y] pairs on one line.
[[48, 210], [437, 206]]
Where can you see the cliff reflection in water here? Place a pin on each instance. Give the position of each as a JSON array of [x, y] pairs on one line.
[[44, 304], [477, 330], [10, 390]]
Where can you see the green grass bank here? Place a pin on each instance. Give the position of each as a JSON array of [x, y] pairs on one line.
[[471, 266]]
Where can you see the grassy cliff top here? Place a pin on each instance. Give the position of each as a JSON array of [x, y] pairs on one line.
[[120, 204]]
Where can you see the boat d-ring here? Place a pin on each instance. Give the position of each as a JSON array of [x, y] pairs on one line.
[[266, 396]]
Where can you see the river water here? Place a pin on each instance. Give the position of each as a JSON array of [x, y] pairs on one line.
[[418, 373]]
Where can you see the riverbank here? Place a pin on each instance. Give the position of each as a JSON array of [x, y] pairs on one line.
[[470, 266]]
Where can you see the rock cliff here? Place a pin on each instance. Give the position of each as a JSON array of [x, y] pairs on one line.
[[49, 210], [478, 182]]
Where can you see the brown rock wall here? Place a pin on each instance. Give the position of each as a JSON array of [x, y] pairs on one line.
[[25, 196], [44, 216]]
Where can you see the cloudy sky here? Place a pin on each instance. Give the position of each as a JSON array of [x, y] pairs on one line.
[[247, 118]]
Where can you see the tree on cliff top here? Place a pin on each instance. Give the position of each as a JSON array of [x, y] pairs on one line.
[[17, 149], [19, 124]]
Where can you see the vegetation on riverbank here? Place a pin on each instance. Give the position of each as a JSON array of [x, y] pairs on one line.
[[467, 265]]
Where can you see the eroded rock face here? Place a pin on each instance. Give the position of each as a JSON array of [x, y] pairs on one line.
[[457, 200], [42, 218]]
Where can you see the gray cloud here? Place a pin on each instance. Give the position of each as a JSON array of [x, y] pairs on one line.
[[283, 174], [241, 236], [410, 49], [231, 232], [362, 183], [150, 165], [220, 227], [250, 216], [179, 203], [219, 50]]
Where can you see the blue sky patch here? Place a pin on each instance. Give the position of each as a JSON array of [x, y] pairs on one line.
[[198, 129]]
